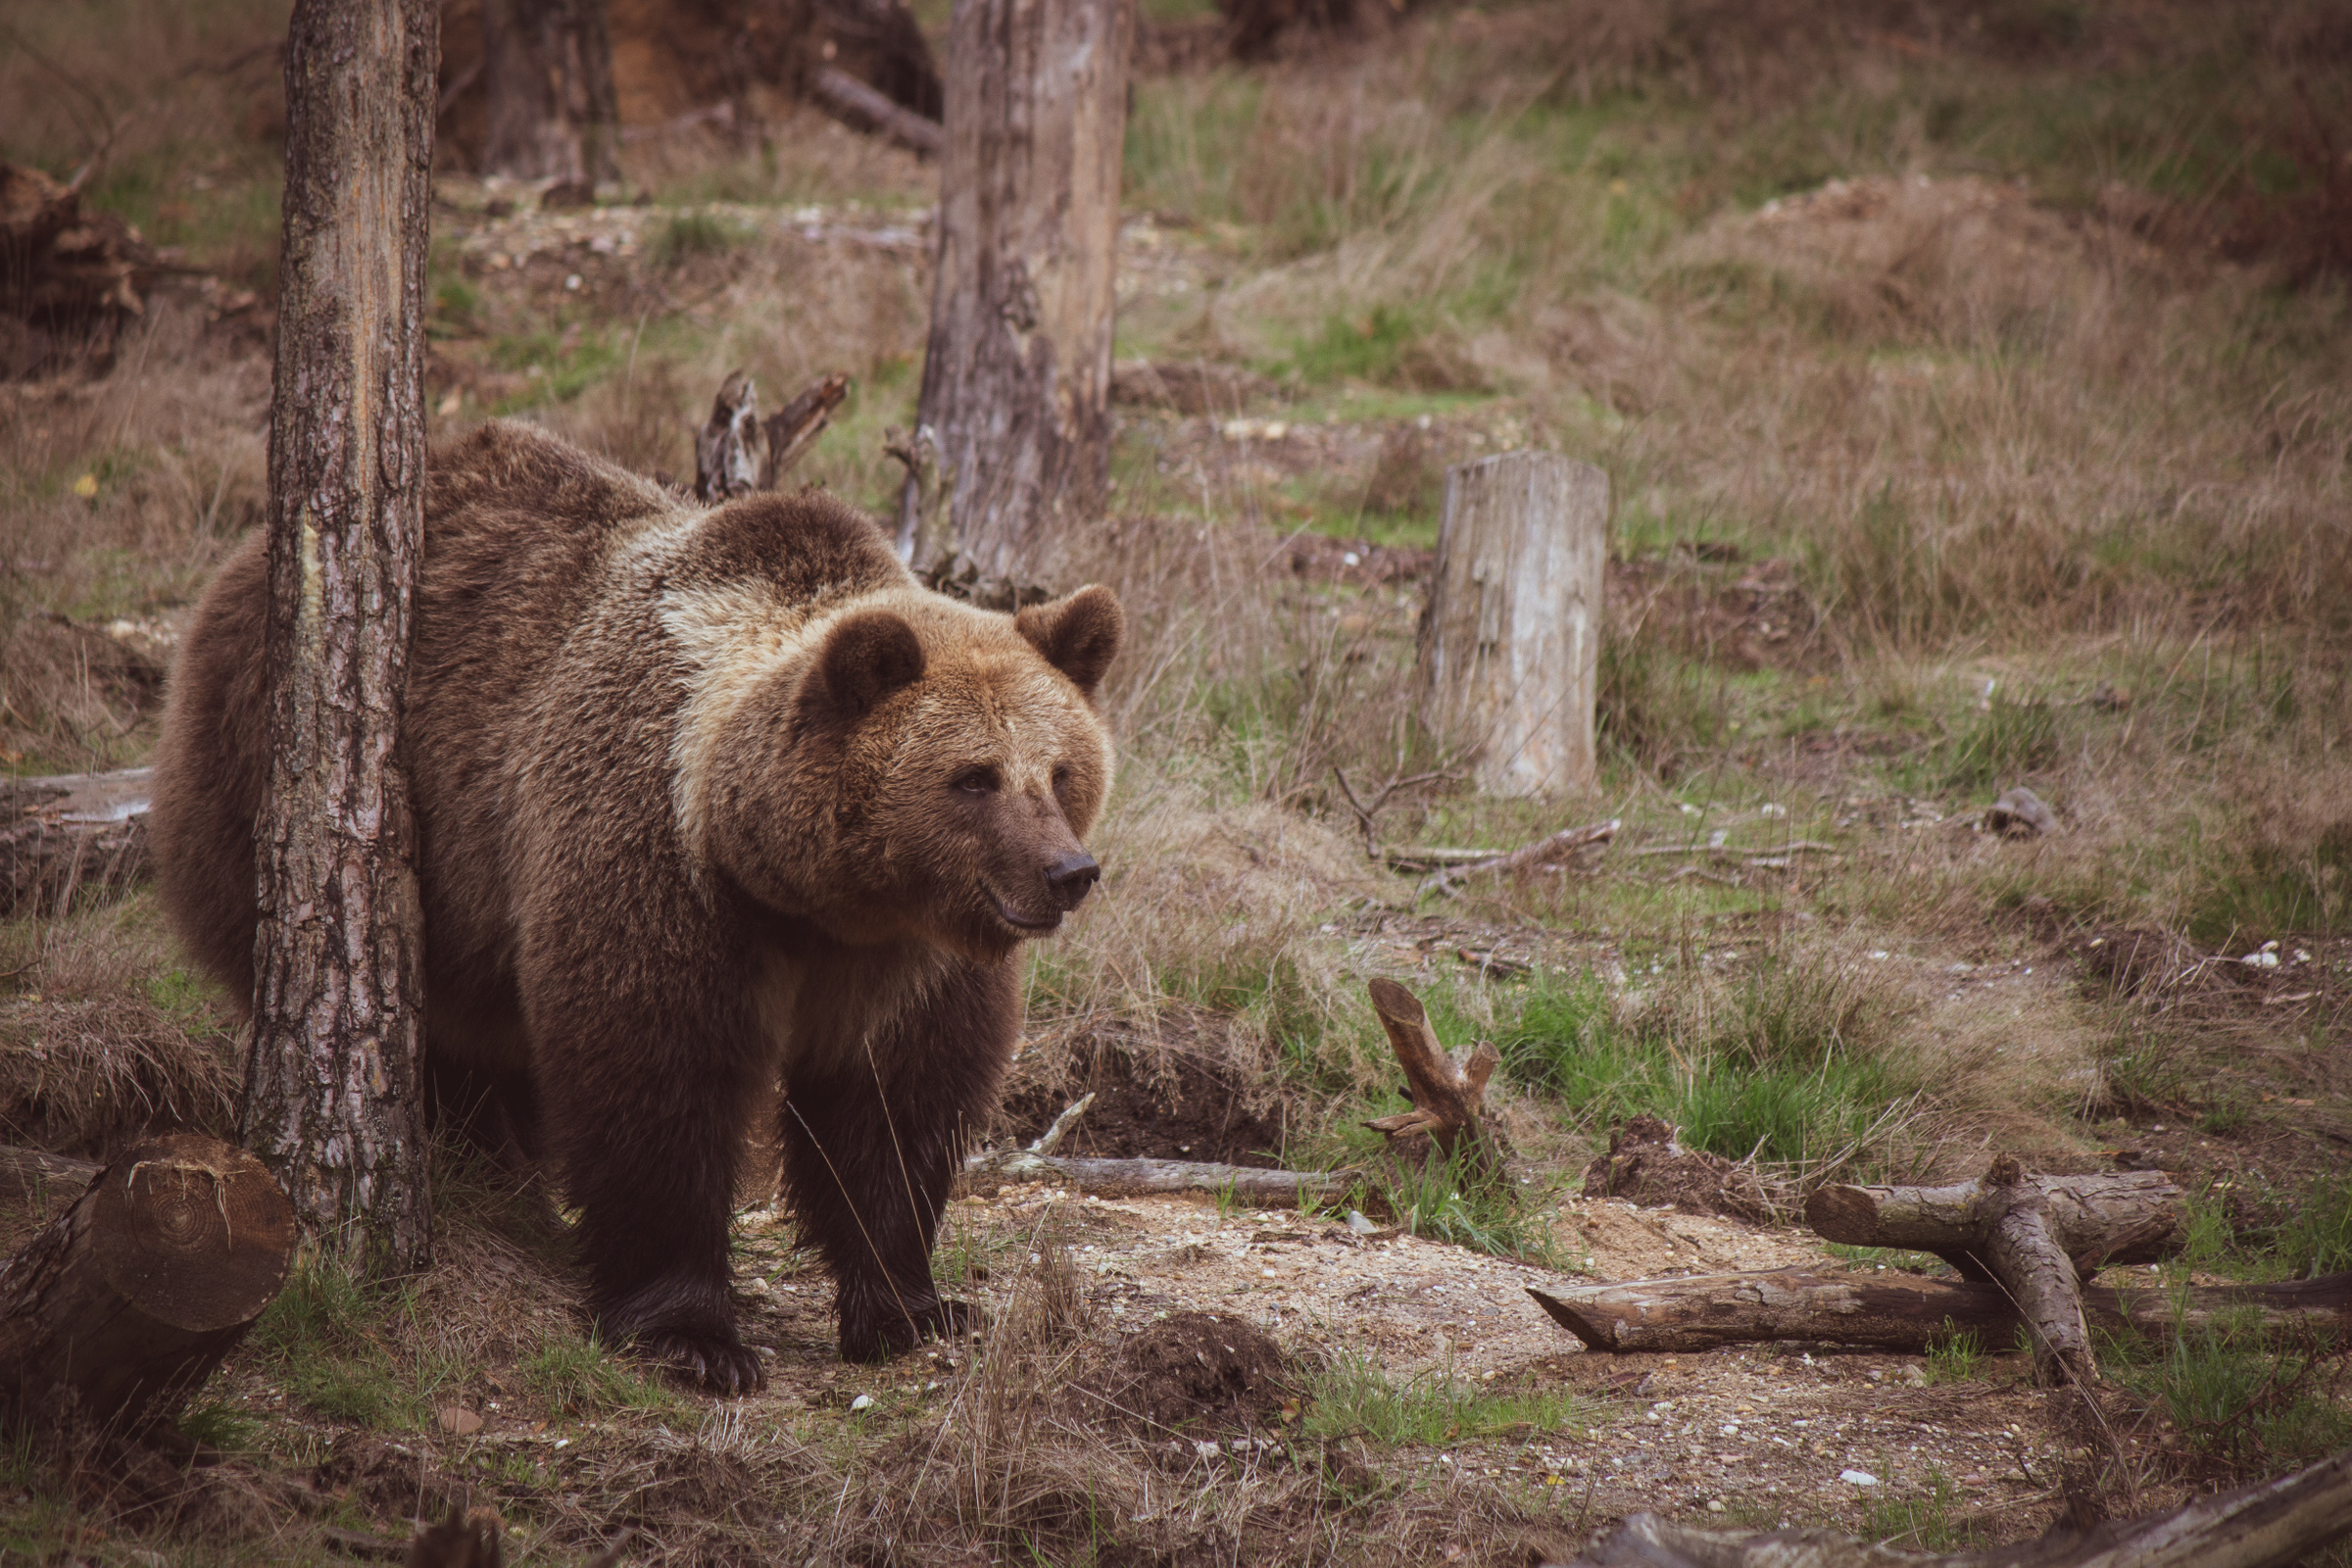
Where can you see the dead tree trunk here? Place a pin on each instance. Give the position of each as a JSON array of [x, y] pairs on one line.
[[331, 1091], [2037, 1236], [2130, 1218], [1016, 376], [736, 452], [1510, 640], [547, 73], [2270, 1524], [1449, 1102], [123, 1307], [1908, 1313]]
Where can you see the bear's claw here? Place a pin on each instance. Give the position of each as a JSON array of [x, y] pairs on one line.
[[724, 1366]]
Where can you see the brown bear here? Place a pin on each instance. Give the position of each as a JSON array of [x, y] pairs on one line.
[[703, 798]]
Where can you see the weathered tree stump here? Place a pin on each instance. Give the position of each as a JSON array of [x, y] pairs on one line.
[[126, 1303], [1448, 1101], [1017, 374], [1908, 1313], [2268, 1525], [1509, 660], [736, 452]]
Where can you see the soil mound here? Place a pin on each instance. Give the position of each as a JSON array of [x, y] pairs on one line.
[[1199, 1372]]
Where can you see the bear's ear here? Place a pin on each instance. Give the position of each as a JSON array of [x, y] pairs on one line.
[[866, 656], [1078, 635]]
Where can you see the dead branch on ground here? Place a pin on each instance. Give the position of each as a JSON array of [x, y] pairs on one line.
[[1910, 1313], [1541, 852], [2268, 1525]]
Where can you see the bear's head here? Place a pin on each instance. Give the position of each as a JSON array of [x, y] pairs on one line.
[[924, 770]]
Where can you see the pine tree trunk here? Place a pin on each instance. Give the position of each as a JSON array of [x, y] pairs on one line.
[[547, 76], [1510, 643], [1016, 378], [332, 1093]]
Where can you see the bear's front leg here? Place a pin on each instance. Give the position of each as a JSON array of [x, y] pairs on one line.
[[644, 1085], [870, 1152]]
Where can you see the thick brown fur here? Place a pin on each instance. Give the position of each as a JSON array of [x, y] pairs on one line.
[[702, 798]]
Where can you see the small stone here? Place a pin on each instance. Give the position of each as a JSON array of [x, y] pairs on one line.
[[1714, 1505], [1358, 1224], [1914, 1376], [863, 1401], [1857, 1478], [458, 1421]]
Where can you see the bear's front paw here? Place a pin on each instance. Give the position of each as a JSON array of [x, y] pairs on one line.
[[718, 1361], [894, 1328]]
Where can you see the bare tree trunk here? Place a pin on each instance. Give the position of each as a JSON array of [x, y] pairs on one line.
[[547, 71], [1510, 643], [1016, 378], [331, 1091]]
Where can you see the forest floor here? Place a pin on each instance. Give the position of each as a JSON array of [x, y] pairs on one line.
[[1972, 408]]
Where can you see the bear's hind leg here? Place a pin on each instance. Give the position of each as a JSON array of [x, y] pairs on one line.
[[870, 1151]]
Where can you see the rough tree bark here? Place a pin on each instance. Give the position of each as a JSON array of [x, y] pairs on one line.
[[1510, 642], [1016, 376], [331, 1093], [1905, 1313], [547, 76], [124, 1305]]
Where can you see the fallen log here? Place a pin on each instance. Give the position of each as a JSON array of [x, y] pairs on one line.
[[2036, 1236], [35, 1172], [69, 835], [866, 109], [1542, 851], [2130, 1218], [1447, 1100], [1137, 1177], [1912, 1314], [124, 1305], [2268, 1525]]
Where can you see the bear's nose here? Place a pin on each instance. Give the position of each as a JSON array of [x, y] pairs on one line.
[[1070, 876]]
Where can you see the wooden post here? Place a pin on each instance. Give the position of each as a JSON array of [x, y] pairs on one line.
[[1016, 376], [1510, 641], [122, 1307], [332, 1098]]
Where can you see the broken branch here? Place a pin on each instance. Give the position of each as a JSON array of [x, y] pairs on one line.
[[1536, 854]]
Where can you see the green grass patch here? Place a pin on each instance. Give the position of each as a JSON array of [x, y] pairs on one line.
[[580, 1377], [692, 236], [1357, 1397], [1791, 1061], [2231, 1398], [1925, 1522]]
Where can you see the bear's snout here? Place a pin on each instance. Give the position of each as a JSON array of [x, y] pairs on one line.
[[1070, 876]]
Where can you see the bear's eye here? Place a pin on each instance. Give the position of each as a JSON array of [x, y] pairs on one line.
[[975, 781], [1061, 779]]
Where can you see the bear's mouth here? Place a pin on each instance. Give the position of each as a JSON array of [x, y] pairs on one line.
[[1025, 922]]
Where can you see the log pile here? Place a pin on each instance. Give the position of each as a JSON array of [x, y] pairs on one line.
[[123, 1306]]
